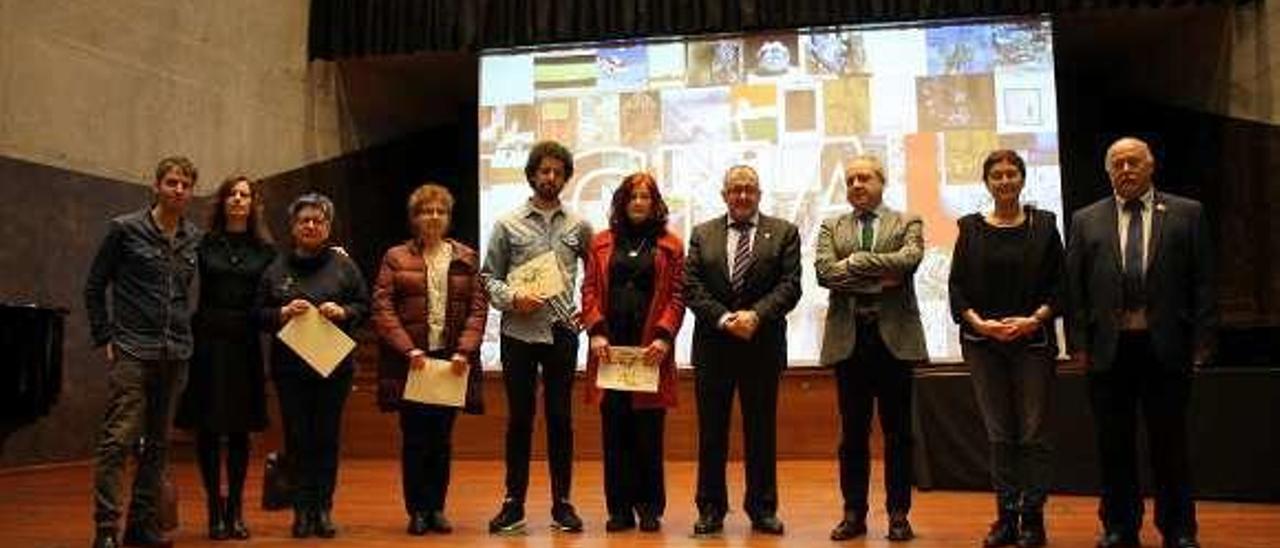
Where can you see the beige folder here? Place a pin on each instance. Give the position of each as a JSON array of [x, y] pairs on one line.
[[627, 370], [436, 384], [316, 340]]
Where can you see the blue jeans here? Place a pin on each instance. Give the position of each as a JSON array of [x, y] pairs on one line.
[[1012, 382]]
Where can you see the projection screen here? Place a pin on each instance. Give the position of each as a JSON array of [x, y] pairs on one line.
[[930, 100]]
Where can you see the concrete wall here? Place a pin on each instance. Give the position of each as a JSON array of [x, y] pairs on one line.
[[106, 88]]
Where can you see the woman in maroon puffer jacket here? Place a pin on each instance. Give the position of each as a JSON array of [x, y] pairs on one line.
[[428, 303]]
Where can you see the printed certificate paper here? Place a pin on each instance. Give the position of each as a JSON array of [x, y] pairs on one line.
[[539, 276], [627, 370]]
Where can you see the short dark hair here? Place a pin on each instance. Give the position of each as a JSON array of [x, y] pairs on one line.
[[184, 166], [218, 208], [548, 149], [622, 196], [312, 199], [1003, 155]]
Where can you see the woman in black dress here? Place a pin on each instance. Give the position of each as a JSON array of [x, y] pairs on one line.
[[311, 275], [224, 395], [1005, 287]]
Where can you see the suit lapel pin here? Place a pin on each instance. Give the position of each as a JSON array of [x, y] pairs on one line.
[[1160, 206]]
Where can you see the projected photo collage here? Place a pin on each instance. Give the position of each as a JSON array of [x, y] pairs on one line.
[[931, 102]]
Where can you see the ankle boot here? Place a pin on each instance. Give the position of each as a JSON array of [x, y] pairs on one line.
[[217, 519], [1032, 534], [301, 522], [235, 520], [322, 524], [1004, 532]]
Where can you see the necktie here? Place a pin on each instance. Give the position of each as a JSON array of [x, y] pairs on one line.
[[1133, 291], [866, 238], [742, 256]]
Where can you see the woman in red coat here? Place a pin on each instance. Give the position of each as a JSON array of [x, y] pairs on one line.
[[428, 302], [631, 296]]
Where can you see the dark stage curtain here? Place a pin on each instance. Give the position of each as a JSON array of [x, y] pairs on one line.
[[358, 28], [1233, 451]]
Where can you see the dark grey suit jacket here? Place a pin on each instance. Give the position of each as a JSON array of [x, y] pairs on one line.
[[1181, 309], [772, 290], [853, 275]]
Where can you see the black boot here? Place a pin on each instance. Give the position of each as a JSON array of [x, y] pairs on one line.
[[322, 524], [105, 537], [235, 520], [301, 522], [1032, 534], [1004, 532], [217, 519]]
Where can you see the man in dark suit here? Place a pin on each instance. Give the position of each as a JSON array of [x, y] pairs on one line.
[[1139, 271], [742, 277], [872, 338]]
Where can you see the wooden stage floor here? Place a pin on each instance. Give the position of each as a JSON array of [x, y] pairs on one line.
[[50, 507]]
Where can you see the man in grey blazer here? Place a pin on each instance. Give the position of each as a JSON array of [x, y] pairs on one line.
[[1142, 312], [873, 337], [742, 277]]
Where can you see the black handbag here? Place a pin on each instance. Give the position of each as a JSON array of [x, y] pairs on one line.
[[277, 488]]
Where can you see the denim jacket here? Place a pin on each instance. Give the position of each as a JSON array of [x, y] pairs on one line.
[[150, 279]]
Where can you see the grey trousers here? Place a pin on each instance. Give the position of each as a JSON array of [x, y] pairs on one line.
[[140, 403], [1013, 384]]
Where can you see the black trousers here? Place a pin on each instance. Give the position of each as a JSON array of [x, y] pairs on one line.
[[311, 411], [520, 362], [1138, 380], [872, 374], [634, 480], [756, 382], [425, 455]]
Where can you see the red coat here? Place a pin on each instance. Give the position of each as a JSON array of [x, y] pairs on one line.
[[400, 317], [666, 312]]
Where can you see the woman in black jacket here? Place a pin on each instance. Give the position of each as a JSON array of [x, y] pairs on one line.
[[224, 397], [1005, 286], [315, 275]]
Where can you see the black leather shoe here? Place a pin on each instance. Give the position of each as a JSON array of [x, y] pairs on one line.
[[565, 517], [769, 525], [105, 538], [1117, 539], [145, 536], [510, 518], [301, 523], [849, 528], [437, 523], [900, 529], [322, 525], [620, 523], [417, 524], [649, 522], [708, 524], [1182, 541]]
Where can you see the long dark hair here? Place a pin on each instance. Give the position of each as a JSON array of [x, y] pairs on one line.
[[218, 209], [618, 220]]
